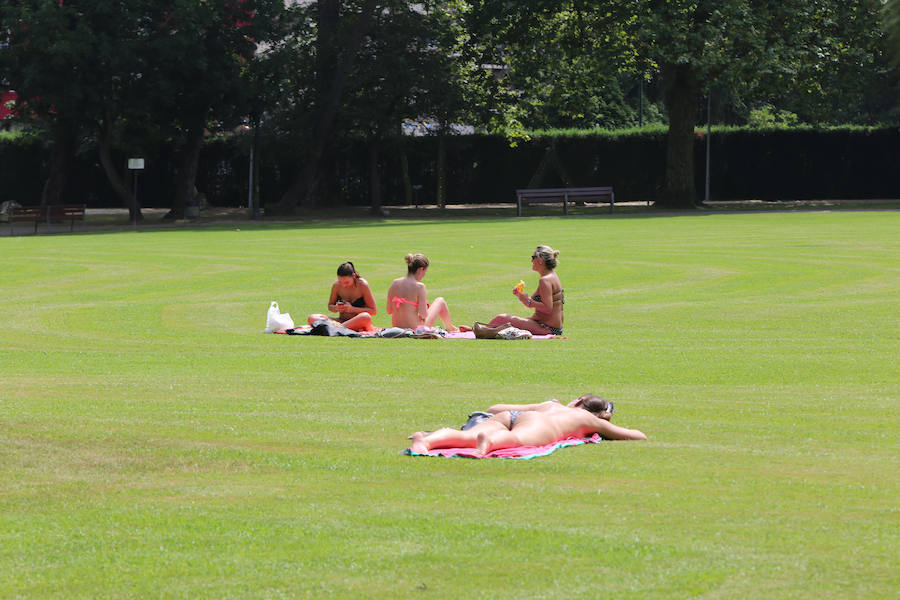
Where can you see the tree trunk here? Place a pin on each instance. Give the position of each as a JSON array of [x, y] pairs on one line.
[[560, 168], [374, 176], [254, 191], [322, 189], [682, 93], [186, 183], [404, 172], [541, 170], [442, 172], [116, 182], [60, 165], [328, 20], [303, 186]]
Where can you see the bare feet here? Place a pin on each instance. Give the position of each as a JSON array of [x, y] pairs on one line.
[[418, 443]]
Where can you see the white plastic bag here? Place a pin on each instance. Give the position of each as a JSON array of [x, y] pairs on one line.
[[277, 321]]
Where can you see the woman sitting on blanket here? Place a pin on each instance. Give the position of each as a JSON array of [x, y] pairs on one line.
[[529, 425], [407, 299], [547, 300], [351, 297]]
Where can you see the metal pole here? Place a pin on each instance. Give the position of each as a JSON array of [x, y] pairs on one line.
[[708, 135], [250, 186], [134, 201]]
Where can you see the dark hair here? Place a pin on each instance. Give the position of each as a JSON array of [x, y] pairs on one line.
[[597, 405], [416, 262], [347, 269]]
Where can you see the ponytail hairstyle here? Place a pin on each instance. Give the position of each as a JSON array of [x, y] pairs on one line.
[[548, 255], [348, 270], [598, 406], [415, 262]]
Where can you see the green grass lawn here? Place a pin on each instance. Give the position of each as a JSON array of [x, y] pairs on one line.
[[155, 443]]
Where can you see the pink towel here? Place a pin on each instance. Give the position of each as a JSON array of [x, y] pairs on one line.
[[517, 452], [470, 335]]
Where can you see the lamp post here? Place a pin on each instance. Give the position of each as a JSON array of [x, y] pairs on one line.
[[135, 165], [708, 135]]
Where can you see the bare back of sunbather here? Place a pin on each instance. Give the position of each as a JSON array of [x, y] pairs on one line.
[[531, 428]]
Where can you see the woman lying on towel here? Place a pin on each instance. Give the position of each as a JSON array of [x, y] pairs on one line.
[[530, 425], [407, 299], [351, 297], [547, 301]]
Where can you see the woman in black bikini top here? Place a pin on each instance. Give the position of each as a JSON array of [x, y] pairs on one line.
[[350, 294], [358, 303], [351, 297]]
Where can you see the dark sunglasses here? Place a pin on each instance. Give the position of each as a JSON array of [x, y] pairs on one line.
[[534, 256]]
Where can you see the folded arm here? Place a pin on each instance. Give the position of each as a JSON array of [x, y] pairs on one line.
[[541, 406]]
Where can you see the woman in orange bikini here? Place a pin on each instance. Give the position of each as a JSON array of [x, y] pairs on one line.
[[407, 299]]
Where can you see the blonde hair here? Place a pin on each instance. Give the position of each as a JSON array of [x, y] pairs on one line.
[[548, 255], [416, 262]]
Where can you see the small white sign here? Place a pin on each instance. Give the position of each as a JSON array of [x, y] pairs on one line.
[[136, 164]]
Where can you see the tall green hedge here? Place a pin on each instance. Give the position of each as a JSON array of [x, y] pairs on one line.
[[798, 163], [23, 164]]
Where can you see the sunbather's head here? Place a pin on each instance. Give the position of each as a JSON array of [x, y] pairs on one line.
[[595, 404], [347, 274], [415, 262]]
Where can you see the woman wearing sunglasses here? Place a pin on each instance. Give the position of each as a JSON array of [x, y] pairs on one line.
[[547, 301]]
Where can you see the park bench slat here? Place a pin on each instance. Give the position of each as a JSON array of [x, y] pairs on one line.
[[46, 214], [599, 194]]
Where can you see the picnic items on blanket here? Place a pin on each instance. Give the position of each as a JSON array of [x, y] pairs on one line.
[[500, 332], [421, 332], [324, 327], [513, 333], [520, 287], [522, 452], [277, 321], [484, 331]]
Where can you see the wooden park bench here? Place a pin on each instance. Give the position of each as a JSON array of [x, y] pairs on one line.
[[565, 195], [46, 214]]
